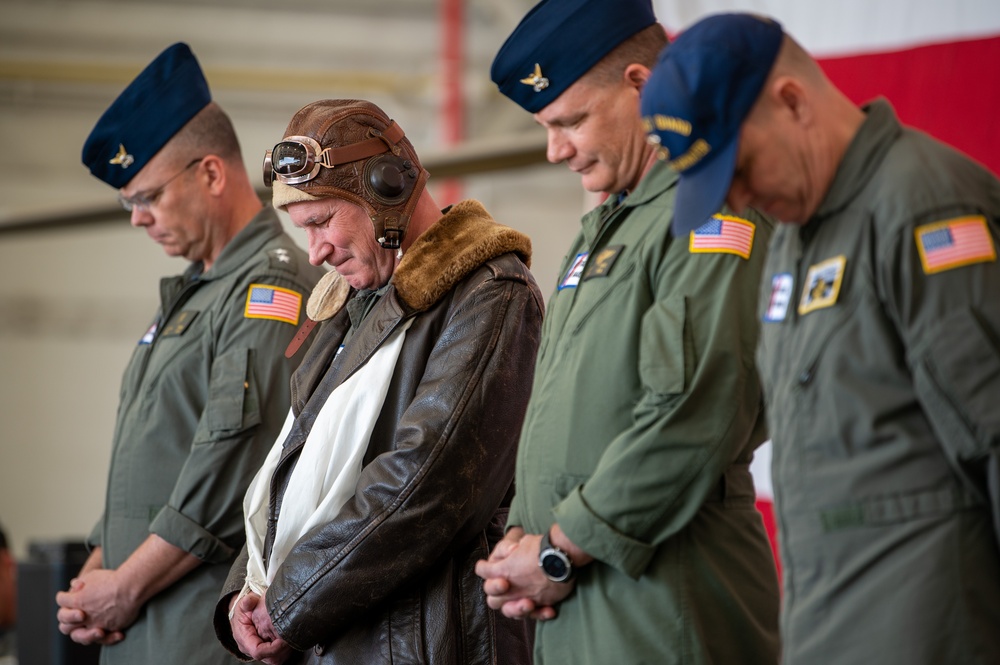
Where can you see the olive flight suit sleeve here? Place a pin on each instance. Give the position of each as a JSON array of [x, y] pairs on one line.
[[95, 539], [699, 407], [248, 396], [947, 312], [449, 466]]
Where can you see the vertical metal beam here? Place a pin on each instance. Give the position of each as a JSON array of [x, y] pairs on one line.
[[452, 74]]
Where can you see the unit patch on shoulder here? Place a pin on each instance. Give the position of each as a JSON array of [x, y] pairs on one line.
[[954, 243], [723, 234], [601, 264], [273, 302], [572, 278], [781, 295], [822, 285]]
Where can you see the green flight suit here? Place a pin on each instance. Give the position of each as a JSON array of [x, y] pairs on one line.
[[202, 400], [880, 356], [644, 414]]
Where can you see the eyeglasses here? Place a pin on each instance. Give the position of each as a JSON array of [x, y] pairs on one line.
[[145, 201], [299, 158]]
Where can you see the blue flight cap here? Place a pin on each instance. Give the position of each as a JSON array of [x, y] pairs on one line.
[[154, 107], [558, 41], [694, 102]]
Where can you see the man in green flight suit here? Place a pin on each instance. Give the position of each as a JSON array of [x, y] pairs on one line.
[[633, 535], [880, 349], [207, 387]]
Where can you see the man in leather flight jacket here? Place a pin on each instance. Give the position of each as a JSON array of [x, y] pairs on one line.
[[394, 471]]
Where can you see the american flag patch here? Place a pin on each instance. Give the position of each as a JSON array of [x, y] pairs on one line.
[[273, 302], [723, 234], [953, 243]]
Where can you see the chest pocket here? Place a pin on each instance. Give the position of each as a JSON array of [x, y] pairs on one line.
[[595, 292]]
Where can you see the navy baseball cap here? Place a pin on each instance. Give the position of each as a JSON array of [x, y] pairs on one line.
[[696, 99], [558, 41], [154, 107]]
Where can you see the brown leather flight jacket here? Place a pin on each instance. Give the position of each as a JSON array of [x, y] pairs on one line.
[[391, 579]]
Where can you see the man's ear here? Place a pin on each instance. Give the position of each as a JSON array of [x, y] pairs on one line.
[[636, 75], [788, 93], [214, 173]]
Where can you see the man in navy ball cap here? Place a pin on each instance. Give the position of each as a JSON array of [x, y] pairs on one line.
[[880, 313], [633, 537], [206, 391]]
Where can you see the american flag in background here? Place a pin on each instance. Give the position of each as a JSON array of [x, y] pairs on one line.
[[273, 302]]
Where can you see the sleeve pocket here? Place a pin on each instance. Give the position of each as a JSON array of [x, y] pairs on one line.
[[961, 381], [233, 404], [663, 352]]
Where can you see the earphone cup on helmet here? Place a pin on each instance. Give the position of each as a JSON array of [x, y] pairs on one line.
[[386, 177]]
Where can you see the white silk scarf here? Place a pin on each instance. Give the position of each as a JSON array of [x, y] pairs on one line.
[[327, 471]]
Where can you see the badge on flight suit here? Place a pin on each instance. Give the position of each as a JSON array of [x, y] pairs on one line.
[[179, 323], [150, 334], [781, 295], [600, 264], [822, 285], [572, 278]]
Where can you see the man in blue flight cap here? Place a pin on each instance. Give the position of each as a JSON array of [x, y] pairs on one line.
[[207, 387], [879, 350], [633, 535]]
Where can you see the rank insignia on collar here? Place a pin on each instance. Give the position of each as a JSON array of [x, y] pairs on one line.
[[536, 80], [123, 157], [822, 285]]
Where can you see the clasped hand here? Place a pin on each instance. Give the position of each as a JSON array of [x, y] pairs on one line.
[[255, 634], [95, 609], [513, 582]]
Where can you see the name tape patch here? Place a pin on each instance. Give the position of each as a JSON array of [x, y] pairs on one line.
[[572, 278]]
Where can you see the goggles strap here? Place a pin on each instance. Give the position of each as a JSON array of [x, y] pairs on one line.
[[378, 144]]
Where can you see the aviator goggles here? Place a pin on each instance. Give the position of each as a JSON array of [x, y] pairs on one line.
[[298, 159]]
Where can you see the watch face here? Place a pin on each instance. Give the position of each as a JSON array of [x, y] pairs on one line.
[[555, 566]]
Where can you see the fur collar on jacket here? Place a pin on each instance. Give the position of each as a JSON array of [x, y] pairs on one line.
[[463, 239]]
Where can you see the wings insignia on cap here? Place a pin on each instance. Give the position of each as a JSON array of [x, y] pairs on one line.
[[123, 157], [536, 80]]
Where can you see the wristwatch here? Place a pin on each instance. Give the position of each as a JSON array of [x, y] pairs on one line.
[[554, 562]]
